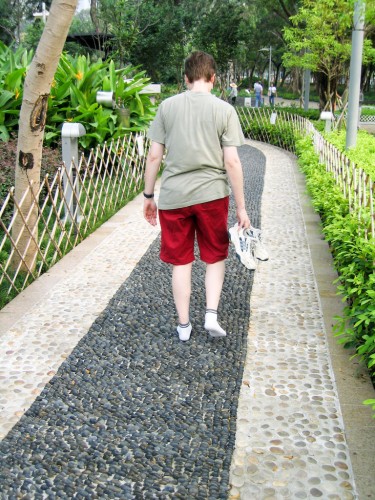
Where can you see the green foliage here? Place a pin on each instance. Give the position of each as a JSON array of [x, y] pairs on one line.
[[259, 127], [73, 97], [7, 22], [32, 35], [367, 111], [13, 66], [320, 39], [370, 402], [14, 16], [310, 114], [320, 36], [281, 134], [353, 254], [218, 34], [363, 154], [121, 18], [82, 23], [159, 47], [159, 35], [369, 97]]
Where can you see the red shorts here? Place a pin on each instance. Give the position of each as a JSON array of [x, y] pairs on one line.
[[178, 227]]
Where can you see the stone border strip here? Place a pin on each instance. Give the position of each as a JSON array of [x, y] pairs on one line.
[[64, 302], [291, 441]]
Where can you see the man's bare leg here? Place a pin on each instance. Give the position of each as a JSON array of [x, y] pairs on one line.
[[214, 283], [181, 287]]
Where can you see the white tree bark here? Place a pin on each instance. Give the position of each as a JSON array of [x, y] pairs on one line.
[[32, 122]]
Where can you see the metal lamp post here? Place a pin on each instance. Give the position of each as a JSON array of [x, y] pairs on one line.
[[269, 49], [355, 74]]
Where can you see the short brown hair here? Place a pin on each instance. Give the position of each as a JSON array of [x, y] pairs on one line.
[[200, 65]]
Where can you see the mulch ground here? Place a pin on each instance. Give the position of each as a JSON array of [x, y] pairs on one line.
[[51, 160]]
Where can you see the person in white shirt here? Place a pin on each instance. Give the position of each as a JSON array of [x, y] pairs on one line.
[[233, 93], [272, 94]]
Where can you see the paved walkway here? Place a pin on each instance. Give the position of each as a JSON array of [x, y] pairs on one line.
[[302, 431]]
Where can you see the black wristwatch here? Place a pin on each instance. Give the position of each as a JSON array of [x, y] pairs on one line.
[[148, 196]]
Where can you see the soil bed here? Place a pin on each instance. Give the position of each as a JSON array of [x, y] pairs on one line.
[[51, 160]]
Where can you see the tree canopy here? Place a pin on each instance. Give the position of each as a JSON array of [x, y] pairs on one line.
[[241, 35], [14, 16], [319, 38]]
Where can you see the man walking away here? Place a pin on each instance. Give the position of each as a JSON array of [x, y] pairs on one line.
[[200, 134]]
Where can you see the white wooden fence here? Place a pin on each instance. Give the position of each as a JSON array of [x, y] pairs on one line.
[[78, 198], [356, 185], [70, 205]]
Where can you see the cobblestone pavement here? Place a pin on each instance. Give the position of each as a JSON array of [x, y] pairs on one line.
[[99, 399], [290, 436]]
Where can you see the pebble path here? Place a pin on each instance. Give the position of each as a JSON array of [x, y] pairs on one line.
[[133, 413]]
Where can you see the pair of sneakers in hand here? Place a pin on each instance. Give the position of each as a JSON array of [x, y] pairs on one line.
[[248, 245]]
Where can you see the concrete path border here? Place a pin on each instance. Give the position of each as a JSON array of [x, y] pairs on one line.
[[348, 379]]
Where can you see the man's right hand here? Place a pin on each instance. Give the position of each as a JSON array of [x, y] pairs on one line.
[[150, 211]]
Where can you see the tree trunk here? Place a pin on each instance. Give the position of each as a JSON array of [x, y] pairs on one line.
[[31, 127], [321, 87], [276, 78], [94, 15], [328, 94], [296, 81], [284, 77], [333, 93]]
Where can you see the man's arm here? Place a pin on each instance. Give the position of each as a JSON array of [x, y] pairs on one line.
[[233, 167], [153, 162]]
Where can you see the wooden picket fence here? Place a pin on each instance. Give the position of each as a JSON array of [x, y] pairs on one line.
[[70, 205], [79, 197], [356, 185]]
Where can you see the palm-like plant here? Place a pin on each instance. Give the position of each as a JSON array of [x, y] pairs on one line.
[[13, 67], [73, 96]]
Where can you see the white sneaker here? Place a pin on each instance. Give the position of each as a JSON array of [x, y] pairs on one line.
[[260, 251], [244, 246]]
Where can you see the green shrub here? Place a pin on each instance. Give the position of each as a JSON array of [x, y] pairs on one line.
[[369, 97], [363, 154], [310, 114], [73, 98], [259, 128], [353, 254], [367, 111]]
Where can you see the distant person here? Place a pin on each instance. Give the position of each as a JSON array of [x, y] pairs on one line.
[[233, 93], [272, 94], [258, 89]]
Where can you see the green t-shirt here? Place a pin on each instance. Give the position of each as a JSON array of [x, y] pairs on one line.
[[194, 127]]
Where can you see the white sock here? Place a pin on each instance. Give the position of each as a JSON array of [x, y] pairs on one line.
[[184, 331], [211, 324]]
